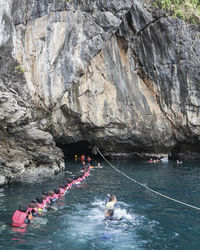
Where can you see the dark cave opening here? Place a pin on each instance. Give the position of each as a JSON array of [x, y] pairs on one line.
[[77, 148], [186, 151]]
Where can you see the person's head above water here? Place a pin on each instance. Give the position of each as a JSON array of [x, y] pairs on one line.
[[44, 193], [62, 186], [109, 213], [69, 180], [43, 197], [39, 200], [65, 183], [57, 190], [50, 193], [23, 208], [32, 205], [34, 201]]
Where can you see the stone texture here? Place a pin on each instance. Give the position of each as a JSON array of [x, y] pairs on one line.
[[116, 74]]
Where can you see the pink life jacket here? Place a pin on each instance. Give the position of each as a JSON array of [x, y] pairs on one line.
[[48, 199], [19, 217], [81, 179], [41, 206], [56, 196], [30, 209], [62, 191], [44, 203]]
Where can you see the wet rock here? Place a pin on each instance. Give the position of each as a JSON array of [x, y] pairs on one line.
[[2, 180], [116, 74]]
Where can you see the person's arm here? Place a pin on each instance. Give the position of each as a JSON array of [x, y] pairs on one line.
[[107, 198], [114, 199], [27, 220]]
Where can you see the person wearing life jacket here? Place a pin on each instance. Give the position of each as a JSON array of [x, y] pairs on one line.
[[50, 195], [82, 158], [20, 217], [40, 204], [77, 178], [89, 160], [69, 181], [74, 180], [44, 200], [82, 177], [65, 183], [111, 201], [48, 202], [62, 189], [32, 208], [151, 160], [87, 172], [56, 193], [83, 166], [44, 193]]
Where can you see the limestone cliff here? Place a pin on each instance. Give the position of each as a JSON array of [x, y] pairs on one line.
[[117, 74]]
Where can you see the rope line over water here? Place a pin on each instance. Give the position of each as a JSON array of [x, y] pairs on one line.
[[144, 186]]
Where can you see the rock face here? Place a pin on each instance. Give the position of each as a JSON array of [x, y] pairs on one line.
[[116, 74]]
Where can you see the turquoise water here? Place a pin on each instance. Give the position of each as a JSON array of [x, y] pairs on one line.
[[150, 222]]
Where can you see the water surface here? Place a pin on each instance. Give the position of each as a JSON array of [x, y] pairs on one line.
[[150, 222]]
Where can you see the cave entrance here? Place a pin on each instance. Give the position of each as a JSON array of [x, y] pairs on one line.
[[77, 148]]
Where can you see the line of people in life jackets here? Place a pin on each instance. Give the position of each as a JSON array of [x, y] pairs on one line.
[[44, 202], [83, 159]]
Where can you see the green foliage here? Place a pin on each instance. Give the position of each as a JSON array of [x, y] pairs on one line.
[[188, 10], [67, 1], [20, 69]]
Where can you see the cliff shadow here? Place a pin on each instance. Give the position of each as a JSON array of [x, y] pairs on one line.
[[77, 148]]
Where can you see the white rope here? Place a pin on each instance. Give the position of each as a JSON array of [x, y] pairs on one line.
[[150, 189]]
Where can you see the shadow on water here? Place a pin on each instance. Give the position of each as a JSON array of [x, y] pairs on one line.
[[150, 222]]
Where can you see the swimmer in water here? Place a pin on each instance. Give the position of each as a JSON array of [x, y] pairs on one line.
[[33, 207], [83, 166], [88, 160], [98, 165], [151, 160], [109, 215], [110, 201], [21, 216]]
